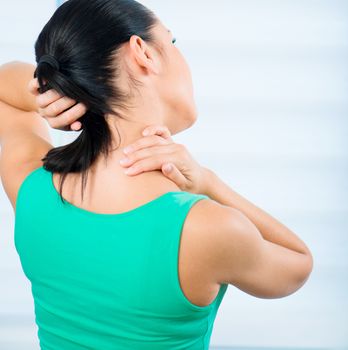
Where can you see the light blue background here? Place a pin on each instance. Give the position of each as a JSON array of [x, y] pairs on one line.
[[271, 86]]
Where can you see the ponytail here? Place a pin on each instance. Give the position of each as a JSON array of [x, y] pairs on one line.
[[77, 52], [94, 138]]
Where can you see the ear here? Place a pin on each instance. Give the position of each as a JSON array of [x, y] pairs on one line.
[[143, 54]]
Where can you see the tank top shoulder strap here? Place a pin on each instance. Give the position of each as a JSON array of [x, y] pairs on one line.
[[179, 203], [166, 238], [33, 179], [188, 198]]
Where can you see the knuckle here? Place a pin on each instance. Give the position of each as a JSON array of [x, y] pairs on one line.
[[41, 101], [182, 150], [40, 111], [131, 158], [47, 112], [48, 96], [64, 118], [75, 112], [65, 100], [52, 122], [55, 109], [158, 139], [53, 94], [135, 145], [180, 147], [140, 165], [134, 168], [82, 109], [68, 115]]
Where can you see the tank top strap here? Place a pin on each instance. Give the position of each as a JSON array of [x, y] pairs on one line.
[[165, 240], [34, 183], [186, 200]]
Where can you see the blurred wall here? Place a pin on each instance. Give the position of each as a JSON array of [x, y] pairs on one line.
[[271, 84]]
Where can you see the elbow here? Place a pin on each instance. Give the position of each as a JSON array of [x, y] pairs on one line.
[[310, 263], [303, 274], [307, 263], [307, 269]]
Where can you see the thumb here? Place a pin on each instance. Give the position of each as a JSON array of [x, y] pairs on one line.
[[168, 167], [172, 172], [76, 126]]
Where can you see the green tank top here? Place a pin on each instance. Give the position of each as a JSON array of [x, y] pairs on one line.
[[107, 281]]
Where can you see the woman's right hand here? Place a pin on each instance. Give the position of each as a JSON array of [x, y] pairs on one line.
[[61, 112], [156, 150]]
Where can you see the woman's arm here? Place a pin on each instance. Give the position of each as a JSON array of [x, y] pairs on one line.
[[14, 92], [270, 228], [24, 134], [59, 111], [14, 80]]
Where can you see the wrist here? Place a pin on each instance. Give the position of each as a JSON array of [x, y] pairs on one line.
[[208, 181], [14, 77]]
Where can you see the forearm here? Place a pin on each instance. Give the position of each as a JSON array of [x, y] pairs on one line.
[[270, 228], [13, 120], [14, 80]]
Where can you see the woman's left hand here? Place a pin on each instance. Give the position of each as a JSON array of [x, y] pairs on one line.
[[156, 150], [61, 112]]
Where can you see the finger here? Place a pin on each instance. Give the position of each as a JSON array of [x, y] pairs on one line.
[[48, 97], [144, 142], [163, 150], [59, 106], [160, 130], [68, 117], [33, 86], [149, 164], [174, 174], [76, 126]]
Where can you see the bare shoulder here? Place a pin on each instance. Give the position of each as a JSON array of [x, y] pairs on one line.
[[206, 222], [207, 216], [233, 251]]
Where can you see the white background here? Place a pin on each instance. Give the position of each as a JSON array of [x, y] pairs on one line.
[[271, 86]]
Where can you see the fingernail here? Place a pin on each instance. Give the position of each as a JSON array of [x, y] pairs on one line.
[[124, 160], [128, 149], [128, 171], [168, 167]]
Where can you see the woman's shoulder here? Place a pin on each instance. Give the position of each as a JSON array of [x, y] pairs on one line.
[[205, 221], [201, 237], [208, 213]]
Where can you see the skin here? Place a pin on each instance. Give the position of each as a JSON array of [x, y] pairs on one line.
[[165, 100], [266, 260], [163, 111]]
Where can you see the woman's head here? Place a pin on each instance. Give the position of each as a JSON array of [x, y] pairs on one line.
[[115, 56]]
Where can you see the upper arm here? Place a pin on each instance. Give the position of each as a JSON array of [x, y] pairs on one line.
[[25, 140], [242, 257]]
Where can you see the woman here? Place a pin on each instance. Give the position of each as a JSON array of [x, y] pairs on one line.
[[102, 251]]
